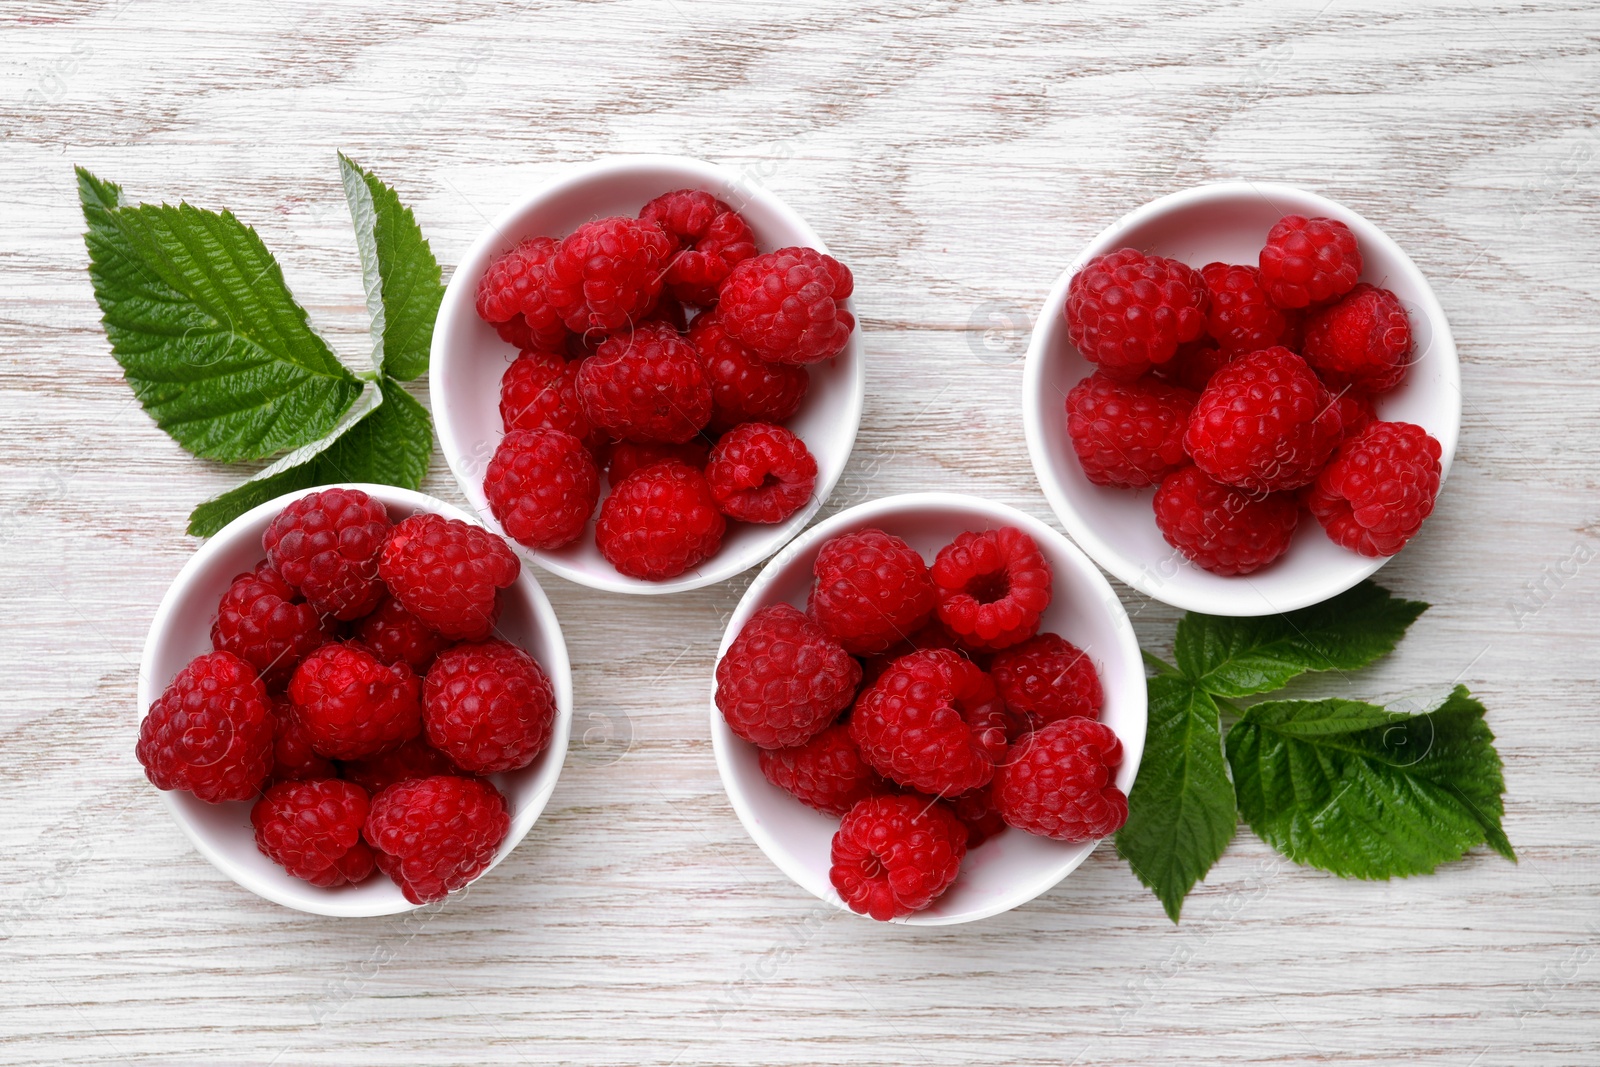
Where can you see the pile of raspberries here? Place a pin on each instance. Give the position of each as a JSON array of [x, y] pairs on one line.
[[922, 706], [1246, 394], [356, 694], [668, 352]]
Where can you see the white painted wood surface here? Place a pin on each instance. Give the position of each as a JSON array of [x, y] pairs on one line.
[[956, 155]]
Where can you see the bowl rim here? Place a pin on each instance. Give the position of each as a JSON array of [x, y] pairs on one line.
[[1130, 659], [1050, 321], [458, 301], [559, 670]]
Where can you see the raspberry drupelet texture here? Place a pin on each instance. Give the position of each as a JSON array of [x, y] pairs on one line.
[[788, 305], [434, 835], [512, 296], [933, 721], [783, 680], [629, 456], [870, 590], [394, 635], [1047, 678], [539, 391], [1379, 488], [266, 623], [744, 387], [1060, 782], [542, 487], [1356, 412], [659, 522], [992, 587], [351, 705], [759, 472], [326, 546], [1128, 434], [1363, 341], [312, 829], [647, 385], [932, 634], [1194, 365], [1128, 312], [489, 707], [293, 758], [210, 732], [1308, 261], [1227, 531], [1264, 423], [445, 572], [606, 275], [711, 237], [1242, 318], [414, 759], [894, 855], [826, 773]]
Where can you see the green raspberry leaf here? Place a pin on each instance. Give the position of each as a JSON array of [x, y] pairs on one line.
[[401, 276], [1365, 792], [1236, 657], [387, 438], [206, 330], [1181, 812]]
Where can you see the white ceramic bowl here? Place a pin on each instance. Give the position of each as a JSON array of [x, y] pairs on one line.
[[1014, 867], [1227, 221], [469, 358], [222, 832]]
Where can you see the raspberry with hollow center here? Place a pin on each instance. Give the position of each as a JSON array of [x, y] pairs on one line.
[[1128, 312], [293, 758], [210, 731], [489, 707], [394, 635], [1264, 423], [1307, 261], [783, 679], [539, 391], [1128, 434], [1364, 340], [894, 855], [744, 387], [326, 546], [434, 835], [711, 240], [629, 456], [606, 275], [992, 586], [826, 773], [788, 305], [414, 759], [659, 522], [312, 830], [445, 572], [1379, 488], [1047, 678], [512, 296], [1223, 529], [266, 623], [351, 705], [647, 385], [542, 487], [759, 472], [870, 590], [1242, 318], [1060, 782]]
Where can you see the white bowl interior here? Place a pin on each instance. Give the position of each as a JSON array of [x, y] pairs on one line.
[[222, 832], [1228, 222], [469, 357], [1014, 867]]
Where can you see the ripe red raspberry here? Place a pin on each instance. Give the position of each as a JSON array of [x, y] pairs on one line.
[[978, 814], [788, 305], [1379, 488], [628, 456], [512, 296], [313, 830], [326, 545], [539, 391], [871, 590], [210, 732], [1128, 434], [1241, 319], [394, 635], [1047, 678], [932, 634], [933, 722], [1308, 261], [1128, 311], [607, 274], [1060, 782], [711, 240], [647, 385], [744, 387], [659, 522], [894, 855], [542, 487], [414, 759], [993, 587], [351, 705], [489, 707], [434, 835], [1363, 341], [667, 312], [1194, 365], [783, 679], [826, 773], [1265, 423], [445, 572], [293, 758], [1356, 412], [264, 622], [761, 473], [1225, 530]]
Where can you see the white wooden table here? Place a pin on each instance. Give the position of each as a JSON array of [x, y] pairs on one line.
[[956, 155]]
